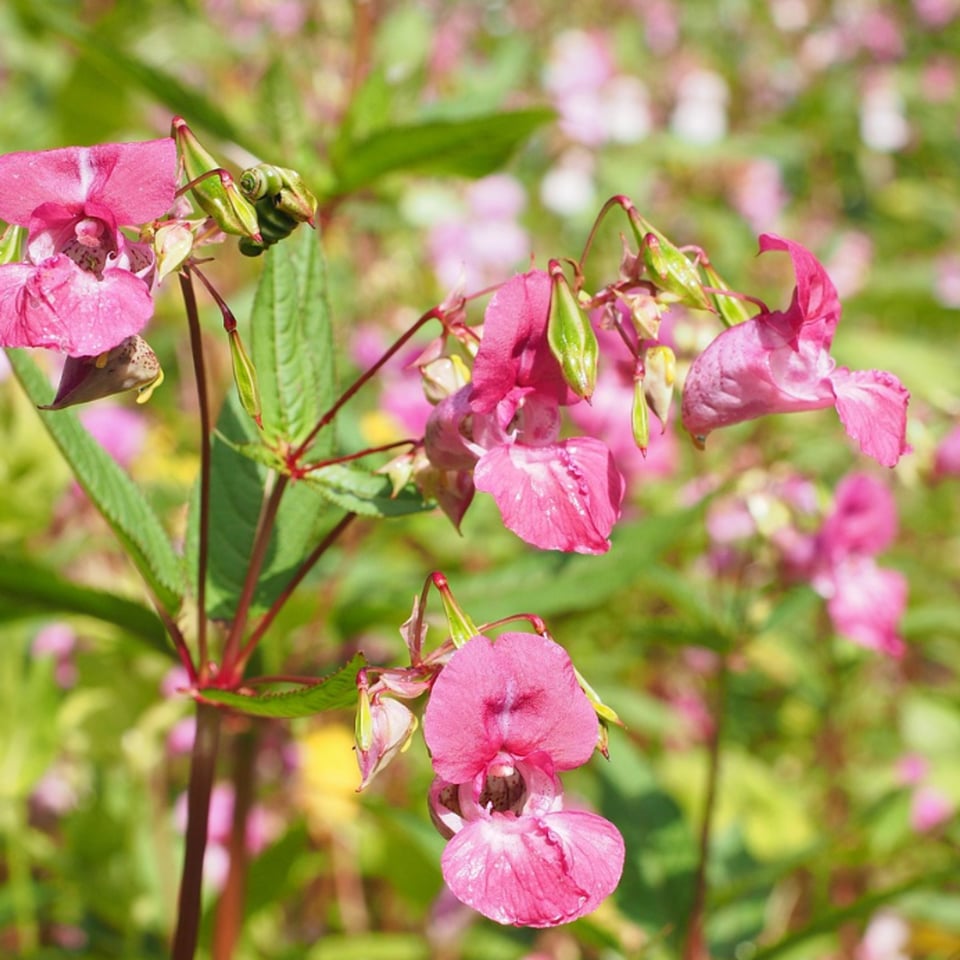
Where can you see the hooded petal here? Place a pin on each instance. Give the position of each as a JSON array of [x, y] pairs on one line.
[[136, 181], [60, 306], [514, 351], [872, 405], [534, 871], [518, 696], [562, 496], [815, 310], [753, 369], [445, 441]]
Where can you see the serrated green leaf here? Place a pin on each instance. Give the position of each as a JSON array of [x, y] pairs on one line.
[[365, 493], [110, 488], [292, 343], [337, 691], [238, 484], [31, 588], [469, 148]]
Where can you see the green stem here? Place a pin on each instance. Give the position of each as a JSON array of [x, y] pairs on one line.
[[203, 765], [695, 946], [203, 537], [19, 880]]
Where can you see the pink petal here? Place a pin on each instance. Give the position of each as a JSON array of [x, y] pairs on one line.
[[863, 520], [444, 442], [59, 306], [815, 310], [136, 181], [751, 370], [563, 496], [514, 351], [867, 605], [872, 405], [535, 871], [518, 695]]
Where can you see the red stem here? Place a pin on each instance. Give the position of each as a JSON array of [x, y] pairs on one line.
[[203, 763], [203, 536]]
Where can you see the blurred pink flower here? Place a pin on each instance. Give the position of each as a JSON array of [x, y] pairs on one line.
[[779, 362], [84, 286], [849, 267], [936, 13], [946, 461], [504, 426], [474, 248], [759, 195], [863, 520], [912, 768], [503, 719], [929, 808], [59, 641], [947, 283], [885, 938], [122, 432]]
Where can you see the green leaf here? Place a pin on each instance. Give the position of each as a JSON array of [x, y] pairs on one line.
[[336, 691], [365, 493], [110, 488], [238, 486], [469, 148], [291, 341], [32, 589]]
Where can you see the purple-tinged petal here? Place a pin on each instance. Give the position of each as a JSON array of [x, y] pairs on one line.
[[445, 441], [518, 695], [59, 306], [872, 405], [514, 351], [815, 310], [136, 181], [535, 871], [564, 496]]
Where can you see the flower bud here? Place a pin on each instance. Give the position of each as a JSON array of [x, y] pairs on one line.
[[462, 628], [639, 419], [213, 188], [673, 273], [384, 727], [660, 375], [443, 376], [571, 336], [172, 244], [284, 188], [732, 310], [131, 365], [245, 377]]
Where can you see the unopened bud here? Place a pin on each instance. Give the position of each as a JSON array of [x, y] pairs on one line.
[[673, 273], [660, 375], [639, 418], [605, 714], [443, 377], [172, 244], [284, 188], [462, 628], [387, 727], [10, 243], [732, 309], [245, 377], [571, 337], [131, 365], [213, 188]]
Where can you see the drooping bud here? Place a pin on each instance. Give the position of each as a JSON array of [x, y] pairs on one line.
[[213, 188], [389, 727], [131, 365], [462, 628], [605, 714], [10, 243], [571, 337], [673, 273], [660, 375], [443, 377], [732, 309], [639, 418], [245, 377], [172, 244]]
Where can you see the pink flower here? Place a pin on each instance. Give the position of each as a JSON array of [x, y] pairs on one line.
[[946, 461], [779, 362], [502, 720], [84, 286], [929, 808], [556, 494]]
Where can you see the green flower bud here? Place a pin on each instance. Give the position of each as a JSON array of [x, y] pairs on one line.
[[639, 419], [285, 188], [462, 628], [571, 337], [673, 273], [213, 188], [660, 375], [245, 377], [732, 309]]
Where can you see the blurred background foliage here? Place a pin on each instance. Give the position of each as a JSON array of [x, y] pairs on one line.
[[835, 124]]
